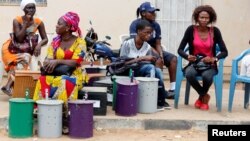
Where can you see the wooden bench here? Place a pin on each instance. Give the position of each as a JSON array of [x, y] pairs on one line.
[[105, 62], [25, 79]]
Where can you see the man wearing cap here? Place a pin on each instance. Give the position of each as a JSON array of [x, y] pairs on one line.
[[147, 12]]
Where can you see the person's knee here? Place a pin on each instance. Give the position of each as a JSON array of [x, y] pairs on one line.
[[173, 61], [208, 78], [190, 74], [209, 75], [170, 61], [151, 66], [150, 70]]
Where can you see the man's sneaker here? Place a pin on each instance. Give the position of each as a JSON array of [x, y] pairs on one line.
[[160, 108], [65, 130], [170, 95], [167, 106]]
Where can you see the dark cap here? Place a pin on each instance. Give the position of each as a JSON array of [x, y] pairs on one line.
[[146, 6]]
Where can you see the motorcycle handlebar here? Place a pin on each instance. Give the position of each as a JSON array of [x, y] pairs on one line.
[[106, 43]]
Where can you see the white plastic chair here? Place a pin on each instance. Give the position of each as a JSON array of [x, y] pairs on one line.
[[123, 37]]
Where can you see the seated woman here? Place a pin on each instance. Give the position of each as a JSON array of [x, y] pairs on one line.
[[139, 49], [65, 49], [23, 26], [202, 38]]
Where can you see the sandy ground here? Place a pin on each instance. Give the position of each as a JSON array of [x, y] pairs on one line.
[[127, 135]]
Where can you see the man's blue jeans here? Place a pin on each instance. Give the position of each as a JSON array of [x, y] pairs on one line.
[[149, 70], [146, 70], [161, 90]]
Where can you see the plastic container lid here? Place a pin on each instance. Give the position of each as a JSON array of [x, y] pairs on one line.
[[49, 102], [148, 79], [95, 89], [81, 102], [127, 82], [120, 77], [21, 100]]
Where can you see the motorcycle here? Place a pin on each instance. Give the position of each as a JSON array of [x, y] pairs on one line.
[[97, 49]]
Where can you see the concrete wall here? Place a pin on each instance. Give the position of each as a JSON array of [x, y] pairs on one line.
[[109, 17], [234, 23], [113, 17]]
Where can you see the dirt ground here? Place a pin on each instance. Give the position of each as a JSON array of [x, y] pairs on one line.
[[127, 135]]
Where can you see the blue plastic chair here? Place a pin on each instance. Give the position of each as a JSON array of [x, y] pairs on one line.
[[235, 77], [218, 82]]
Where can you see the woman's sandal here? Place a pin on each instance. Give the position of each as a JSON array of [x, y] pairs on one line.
[[7, 91]]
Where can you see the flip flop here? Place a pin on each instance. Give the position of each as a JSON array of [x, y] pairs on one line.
[[6, 91]]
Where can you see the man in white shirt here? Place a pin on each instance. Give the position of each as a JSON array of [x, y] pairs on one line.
[[140, 50]]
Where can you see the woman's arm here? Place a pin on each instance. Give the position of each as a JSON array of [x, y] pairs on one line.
[[19, 31], [50, 64], [184, 42], [219, 40], [44, 41]]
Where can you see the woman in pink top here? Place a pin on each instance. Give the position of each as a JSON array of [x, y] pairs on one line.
[[202, 38]]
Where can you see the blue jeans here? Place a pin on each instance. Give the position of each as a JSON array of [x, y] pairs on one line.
[[161, 90], [149, 70], [146, 70]]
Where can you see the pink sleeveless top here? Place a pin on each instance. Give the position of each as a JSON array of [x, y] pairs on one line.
[[203, 46]]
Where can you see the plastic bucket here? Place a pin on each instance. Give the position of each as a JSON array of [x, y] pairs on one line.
[[126, 97], [21, 117], [114, 88], [49, 118], [147, 95], [80, 118]]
